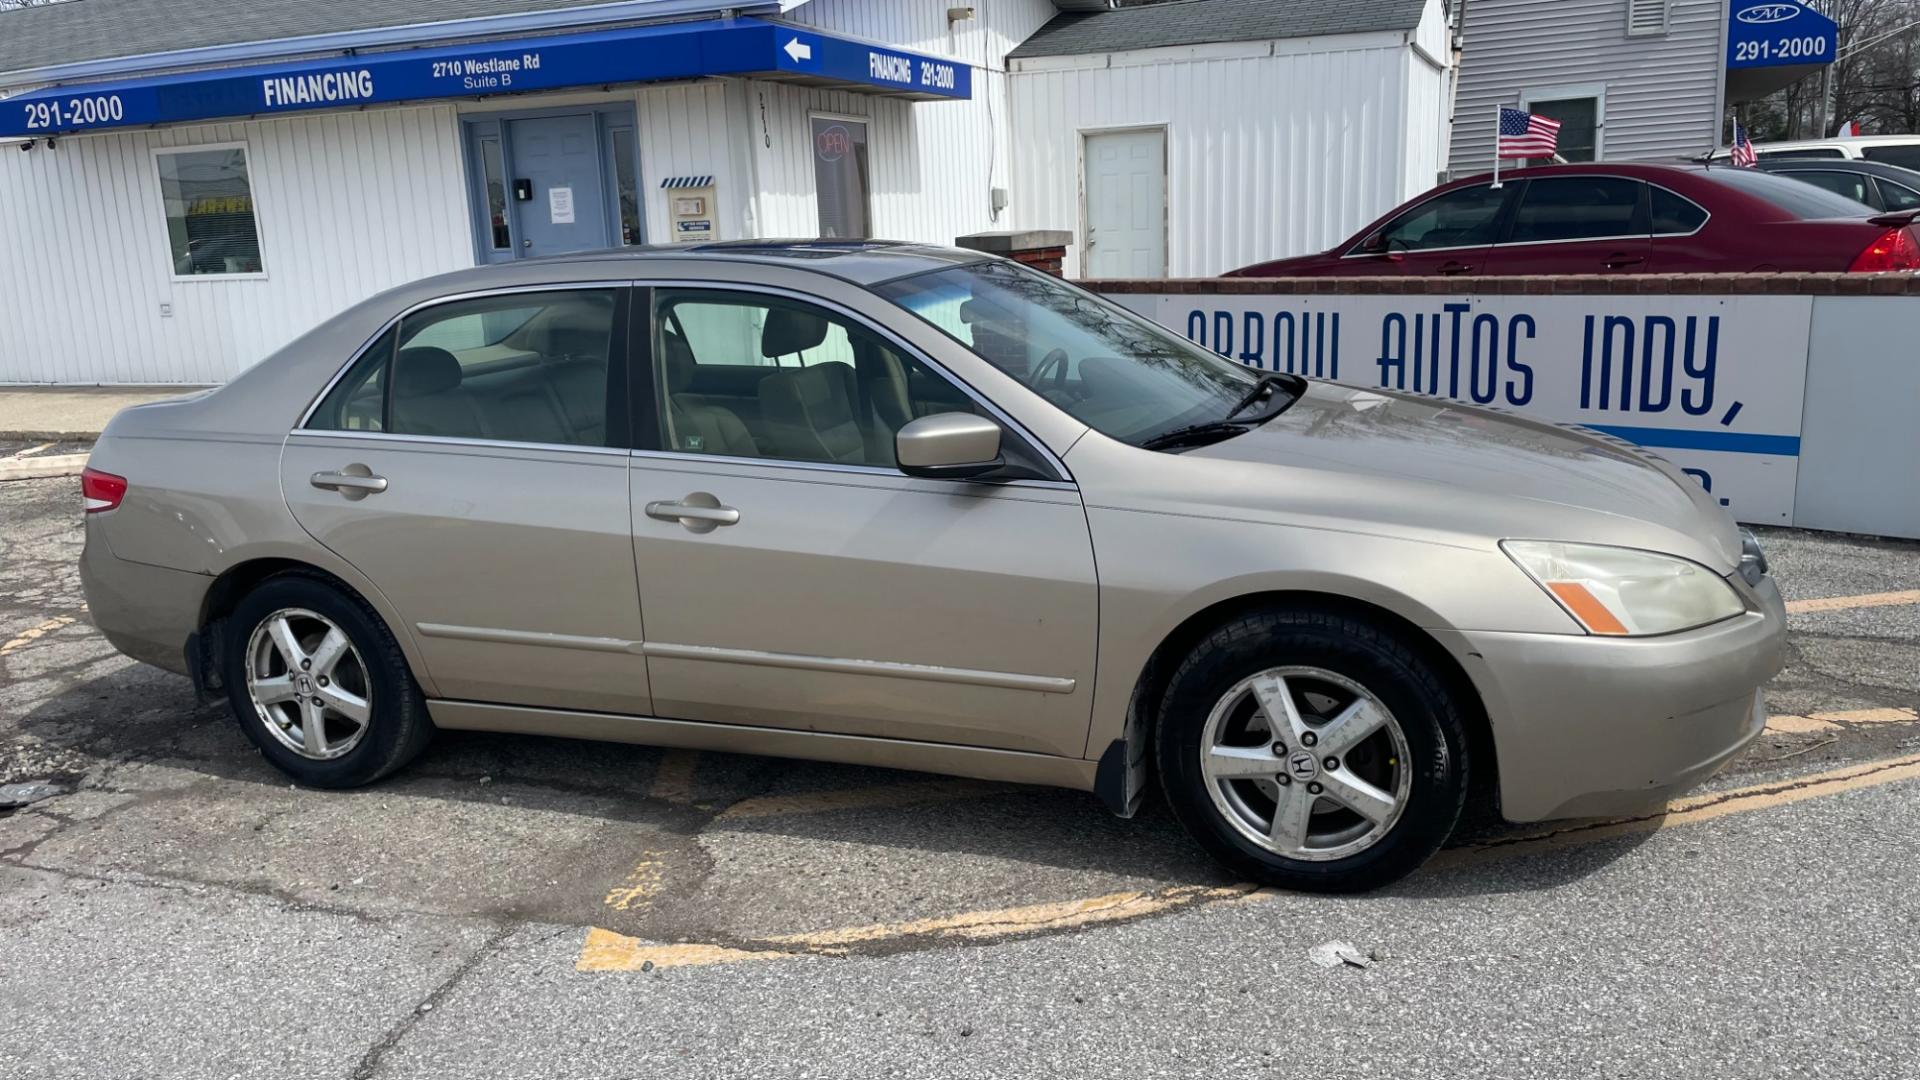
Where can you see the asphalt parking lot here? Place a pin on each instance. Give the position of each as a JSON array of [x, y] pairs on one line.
[[514, 906]]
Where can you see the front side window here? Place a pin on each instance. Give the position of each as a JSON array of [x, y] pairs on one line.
[[211, 227], [1577, 208], [530, 367], [747, 375], [1461, 218], [841, 178], [1123, 376], [1849, 185]]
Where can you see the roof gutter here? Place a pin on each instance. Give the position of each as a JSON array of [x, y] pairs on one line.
[[348, 41]]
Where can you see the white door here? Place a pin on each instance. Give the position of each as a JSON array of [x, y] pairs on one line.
[[1126, 212]]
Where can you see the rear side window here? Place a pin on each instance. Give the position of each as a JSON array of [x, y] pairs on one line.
[[1897, 196], [536, 367], [1675, 216], [1907, 157], [1577, 208], [1802, 201]]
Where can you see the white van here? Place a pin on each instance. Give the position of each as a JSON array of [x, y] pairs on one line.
[[1901, 150]]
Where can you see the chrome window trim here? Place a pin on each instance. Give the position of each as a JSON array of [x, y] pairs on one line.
[[1059, 466], [603, 285], [836, 467], [1581, 240], [461, 440]]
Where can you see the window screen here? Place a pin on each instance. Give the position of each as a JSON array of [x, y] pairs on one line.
[[209, 204], [841, 178], [1579, 125]]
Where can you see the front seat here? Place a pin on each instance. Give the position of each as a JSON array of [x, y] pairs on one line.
[[428, 398], [697, 426], [811, 416]]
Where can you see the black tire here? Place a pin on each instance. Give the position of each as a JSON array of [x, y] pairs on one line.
[[1420, 700], [398, 727]]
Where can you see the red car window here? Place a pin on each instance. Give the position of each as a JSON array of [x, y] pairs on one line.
[[1461, 218], [1576, 208]]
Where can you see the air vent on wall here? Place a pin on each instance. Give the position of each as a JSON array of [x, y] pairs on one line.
[[1646, 17]]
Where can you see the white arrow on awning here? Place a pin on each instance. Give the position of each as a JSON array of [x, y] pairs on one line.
[[799, 51]]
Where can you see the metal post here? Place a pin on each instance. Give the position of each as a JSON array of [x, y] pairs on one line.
[[1496, 145]]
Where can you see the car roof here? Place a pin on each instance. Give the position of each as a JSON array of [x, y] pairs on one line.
[[860, 262], [1857, 140], [1881, 169], [1639, 170]]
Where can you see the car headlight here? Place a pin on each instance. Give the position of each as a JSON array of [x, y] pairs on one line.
[[1622, 592]]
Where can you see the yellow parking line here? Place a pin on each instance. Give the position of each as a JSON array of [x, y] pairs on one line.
[[641, 884], [1845, 603], [36, 633], [673, 777], [1833, 721], [604, 950], [867, 798]]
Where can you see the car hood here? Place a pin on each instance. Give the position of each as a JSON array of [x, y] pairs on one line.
[[1428, 462]]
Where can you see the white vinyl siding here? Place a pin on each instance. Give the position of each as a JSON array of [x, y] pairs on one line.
[[348, 203], [1662, 91], [1274, 148]]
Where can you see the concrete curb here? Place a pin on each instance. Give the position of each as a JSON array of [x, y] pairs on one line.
[[43, 467]]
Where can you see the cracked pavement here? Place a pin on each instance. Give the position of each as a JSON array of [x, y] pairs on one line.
[[184, 912]]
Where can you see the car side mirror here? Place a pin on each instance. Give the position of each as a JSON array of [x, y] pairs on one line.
[[1375, 244], [948, 446]]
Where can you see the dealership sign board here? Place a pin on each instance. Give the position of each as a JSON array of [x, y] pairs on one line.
[[1778, 33], [633, 54], [1713, 384]]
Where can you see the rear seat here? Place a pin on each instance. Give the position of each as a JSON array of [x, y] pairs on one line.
[[548, 401]]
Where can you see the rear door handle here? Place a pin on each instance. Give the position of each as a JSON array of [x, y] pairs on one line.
[[699, 512], [1620, 260], [1451, 268], [354, 485]]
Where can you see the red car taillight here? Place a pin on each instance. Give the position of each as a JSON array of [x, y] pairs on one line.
[[103, 490], [1896, 249]]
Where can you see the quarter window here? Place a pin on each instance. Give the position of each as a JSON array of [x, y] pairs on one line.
[[1577, 208], [1461, 218], [1675, 216], [1897, 197], [533, 367], [752, 376], [208, 195], [841, 178]]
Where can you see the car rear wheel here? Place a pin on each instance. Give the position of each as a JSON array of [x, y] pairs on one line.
[[1312, 751], [319, 684]]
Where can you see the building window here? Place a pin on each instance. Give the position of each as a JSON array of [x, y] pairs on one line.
[[841, 177], [627, 186], [1646, 17], [208, 196], [1579, 118]]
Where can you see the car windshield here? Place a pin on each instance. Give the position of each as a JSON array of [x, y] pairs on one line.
[[1802, 200], [1108, 368]]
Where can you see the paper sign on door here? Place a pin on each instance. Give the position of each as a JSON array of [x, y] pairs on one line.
[[560, 205]]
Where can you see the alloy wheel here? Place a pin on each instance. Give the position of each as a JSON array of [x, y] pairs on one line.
[[308, 684]]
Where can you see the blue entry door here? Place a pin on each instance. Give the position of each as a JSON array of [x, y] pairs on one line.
[[557, 160]]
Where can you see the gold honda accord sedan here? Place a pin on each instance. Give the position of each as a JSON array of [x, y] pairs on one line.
[[908, 506]]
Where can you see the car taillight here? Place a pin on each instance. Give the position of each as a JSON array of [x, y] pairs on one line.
[[103, 490], [1896, 249]]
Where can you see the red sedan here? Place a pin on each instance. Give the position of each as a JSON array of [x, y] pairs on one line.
[[1619, 219]]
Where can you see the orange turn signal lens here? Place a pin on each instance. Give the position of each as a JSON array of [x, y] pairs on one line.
[[1585, 607]]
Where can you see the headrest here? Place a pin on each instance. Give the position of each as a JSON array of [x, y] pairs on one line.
[[424, 369], [790, 331], [676, 359]]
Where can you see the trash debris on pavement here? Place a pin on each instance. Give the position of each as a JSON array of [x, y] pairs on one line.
[[32, 791], [1332, 954]]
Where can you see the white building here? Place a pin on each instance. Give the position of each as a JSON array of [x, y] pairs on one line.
[[202, 182]]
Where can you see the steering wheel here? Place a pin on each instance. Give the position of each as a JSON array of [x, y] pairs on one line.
[[1056, 362]]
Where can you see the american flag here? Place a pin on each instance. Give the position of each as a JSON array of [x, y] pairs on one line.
[[1743, 155], [1524, 135]]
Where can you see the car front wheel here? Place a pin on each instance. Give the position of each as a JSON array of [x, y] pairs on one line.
[[1313, 751], [319, 684]]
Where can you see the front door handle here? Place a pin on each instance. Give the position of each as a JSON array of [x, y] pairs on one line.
[[1620, 260], [1451, 268], [699, 512], [355, 482]]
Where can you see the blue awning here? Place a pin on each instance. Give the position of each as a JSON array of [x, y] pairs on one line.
[[744, 46], [1773, 44]]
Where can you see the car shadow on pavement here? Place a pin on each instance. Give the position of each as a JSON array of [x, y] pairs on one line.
[[548, 827]]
